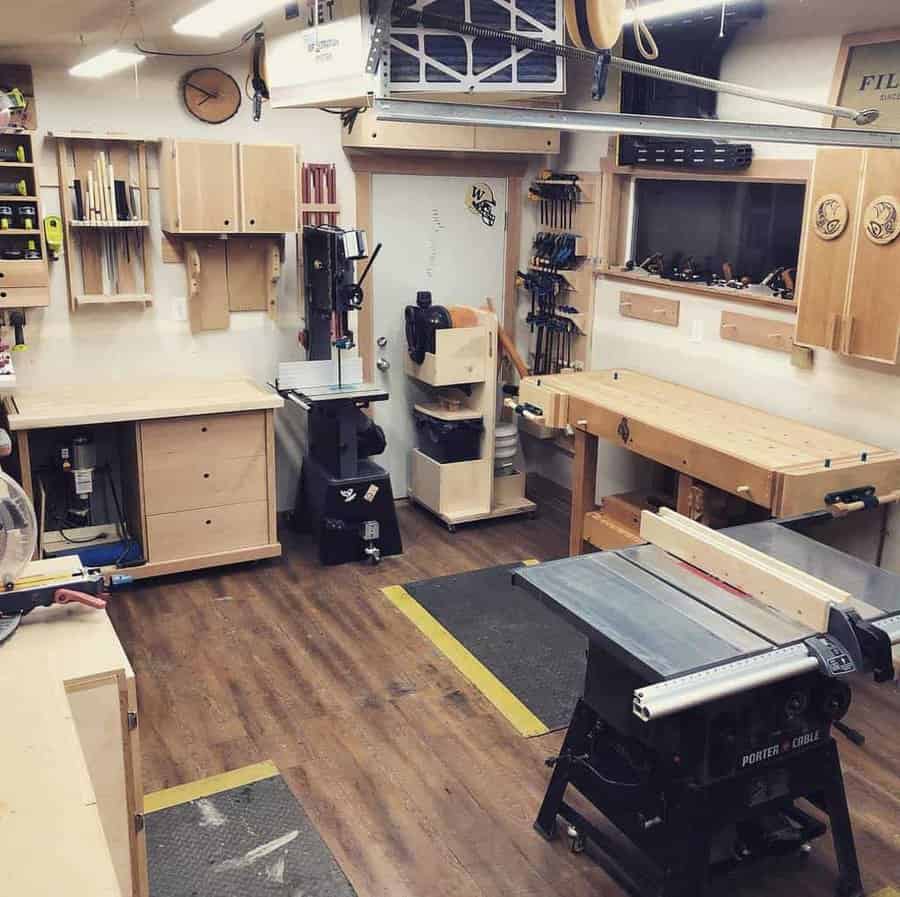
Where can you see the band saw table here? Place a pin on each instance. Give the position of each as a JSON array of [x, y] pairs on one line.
[[706, 712], [776, 463]]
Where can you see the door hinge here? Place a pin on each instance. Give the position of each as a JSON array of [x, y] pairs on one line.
[[132, 721], [138, 823]]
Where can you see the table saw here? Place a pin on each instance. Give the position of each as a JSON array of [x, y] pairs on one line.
[[707, 712]]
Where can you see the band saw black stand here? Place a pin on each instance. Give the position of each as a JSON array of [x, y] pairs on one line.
[[343, 498]]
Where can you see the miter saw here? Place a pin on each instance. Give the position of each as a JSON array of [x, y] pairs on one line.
[[29, 584]]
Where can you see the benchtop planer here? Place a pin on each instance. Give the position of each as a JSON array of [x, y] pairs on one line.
[[706, 712]]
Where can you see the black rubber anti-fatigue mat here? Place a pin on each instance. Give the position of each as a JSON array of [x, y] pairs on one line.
[[251, 841], [536, 654]]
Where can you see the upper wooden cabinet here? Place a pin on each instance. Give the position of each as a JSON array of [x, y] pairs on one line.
[[850, 255], [209, 187], [268, 178]]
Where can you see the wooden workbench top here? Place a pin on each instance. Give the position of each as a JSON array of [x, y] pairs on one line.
[[50, 826], [115, 401], [773, 461], [739, 430]]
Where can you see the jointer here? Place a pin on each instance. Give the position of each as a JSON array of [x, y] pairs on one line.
[[774, 462], [707, 712]]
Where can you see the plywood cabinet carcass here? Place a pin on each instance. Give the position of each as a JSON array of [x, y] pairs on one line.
[[210, 187], [848, 301]]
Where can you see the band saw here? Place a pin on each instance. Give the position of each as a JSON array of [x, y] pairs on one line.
[[718, 664]]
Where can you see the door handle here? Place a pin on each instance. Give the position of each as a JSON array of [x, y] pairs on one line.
[[383, 365]]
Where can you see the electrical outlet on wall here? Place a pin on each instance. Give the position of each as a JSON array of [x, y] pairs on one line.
[[696, 331], [179, 308]]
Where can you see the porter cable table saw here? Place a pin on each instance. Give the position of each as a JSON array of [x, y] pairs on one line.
[[706, 712]]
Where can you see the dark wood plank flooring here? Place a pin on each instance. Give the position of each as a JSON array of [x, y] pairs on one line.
[[416, 783]]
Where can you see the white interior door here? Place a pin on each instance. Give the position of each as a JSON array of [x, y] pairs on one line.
[[442, 234]]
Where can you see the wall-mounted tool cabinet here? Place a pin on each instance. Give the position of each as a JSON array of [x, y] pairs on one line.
[[210, 187], [847, 292]]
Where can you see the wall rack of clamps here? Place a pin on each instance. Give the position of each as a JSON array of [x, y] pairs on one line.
[[558, 284]]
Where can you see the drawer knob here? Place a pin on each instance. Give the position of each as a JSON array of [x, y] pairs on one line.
[[253, 221], [208, 522], [3, 295], [206, 476], [203, 429]]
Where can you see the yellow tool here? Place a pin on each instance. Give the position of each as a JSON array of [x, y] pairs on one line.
[[53, 235]]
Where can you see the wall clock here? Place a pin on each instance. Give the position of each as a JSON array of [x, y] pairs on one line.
[[211, 95]]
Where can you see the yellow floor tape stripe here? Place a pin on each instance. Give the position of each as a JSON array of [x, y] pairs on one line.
[[181, 794], [522, 719], [887, 892]]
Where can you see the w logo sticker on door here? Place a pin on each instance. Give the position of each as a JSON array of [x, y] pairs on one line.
[[481, 201]]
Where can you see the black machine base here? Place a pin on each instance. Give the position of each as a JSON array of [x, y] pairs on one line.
[[682, 826], [351, 518]]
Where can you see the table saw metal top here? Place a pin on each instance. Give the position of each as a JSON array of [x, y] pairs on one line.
[[666, 619]]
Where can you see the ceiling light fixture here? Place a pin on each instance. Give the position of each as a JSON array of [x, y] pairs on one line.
[[662, 9], [215, 18], [106, 63]]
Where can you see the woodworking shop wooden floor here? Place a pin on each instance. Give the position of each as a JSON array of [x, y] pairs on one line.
[[417, 785]]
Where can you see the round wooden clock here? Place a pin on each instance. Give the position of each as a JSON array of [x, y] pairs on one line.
[[211, 95]]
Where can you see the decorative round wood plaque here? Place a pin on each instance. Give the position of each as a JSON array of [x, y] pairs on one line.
[[882, 219], [831, 216]]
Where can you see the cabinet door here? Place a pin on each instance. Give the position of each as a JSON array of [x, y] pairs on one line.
[[830, 224], [206, 183], [872, 323], [268, 189]]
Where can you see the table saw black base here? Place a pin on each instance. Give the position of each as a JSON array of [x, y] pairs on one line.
[[689, 830]]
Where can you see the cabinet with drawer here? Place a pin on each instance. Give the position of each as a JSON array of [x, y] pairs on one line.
[[206, 485]]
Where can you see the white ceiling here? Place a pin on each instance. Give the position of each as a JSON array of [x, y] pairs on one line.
[[67, 30]]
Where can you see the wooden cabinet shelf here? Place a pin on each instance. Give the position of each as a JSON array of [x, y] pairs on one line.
[[24, 283]]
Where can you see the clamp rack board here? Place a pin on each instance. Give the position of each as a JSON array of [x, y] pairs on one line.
[[776, 463]]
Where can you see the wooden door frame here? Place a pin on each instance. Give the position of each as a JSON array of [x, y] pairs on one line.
[[365, 165]]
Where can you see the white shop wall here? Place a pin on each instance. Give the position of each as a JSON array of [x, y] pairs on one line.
[[861, 402], [129, 342]]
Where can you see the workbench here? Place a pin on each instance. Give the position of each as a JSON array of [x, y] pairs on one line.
[[71, 794], [776, 463], [197, 460]]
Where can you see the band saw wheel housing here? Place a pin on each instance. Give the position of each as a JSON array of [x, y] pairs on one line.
[[594, 24]]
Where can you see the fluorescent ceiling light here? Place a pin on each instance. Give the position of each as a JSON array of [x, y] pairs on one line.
[[215, 18], [106, 63], [661, 9]]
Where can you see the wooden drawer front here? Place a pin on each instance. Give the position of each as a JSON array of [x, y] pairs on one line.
[[24, 297], [240, 435], [177, 482], [23, 273], [186, 534]]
